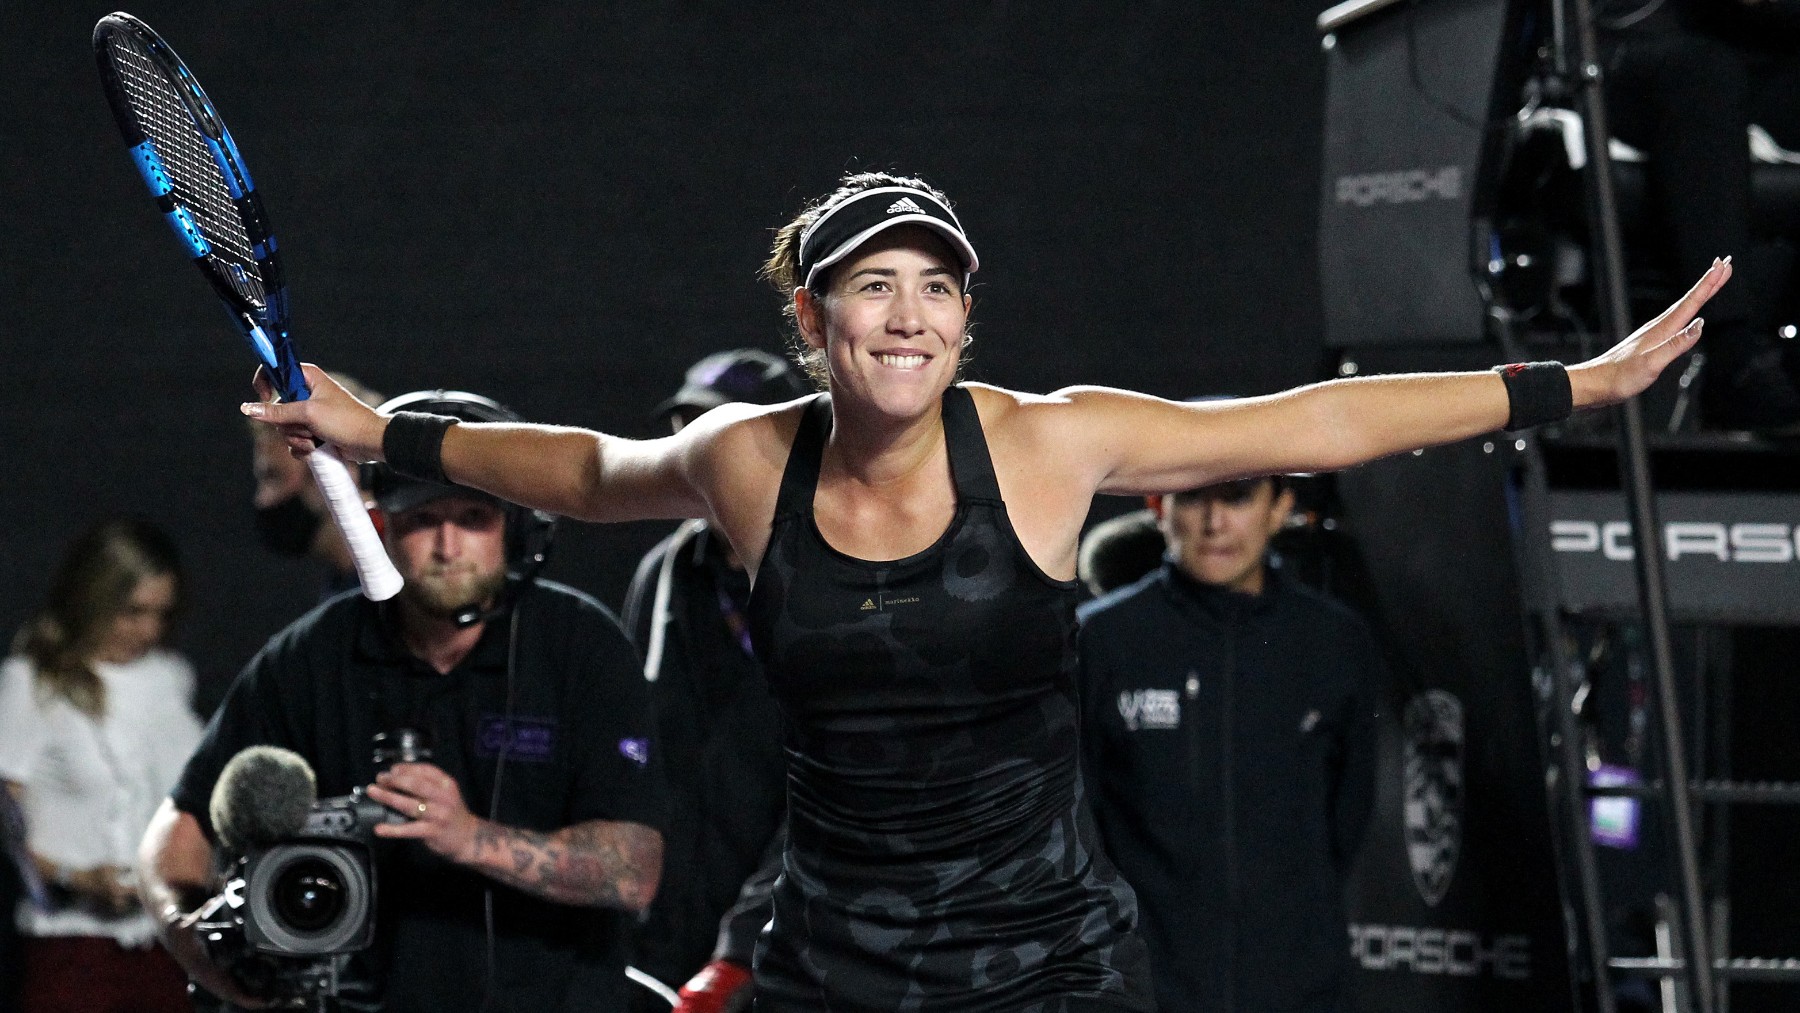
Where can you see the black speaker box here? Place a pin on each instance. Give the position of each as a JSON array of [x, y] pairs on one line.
[[1408, 88]]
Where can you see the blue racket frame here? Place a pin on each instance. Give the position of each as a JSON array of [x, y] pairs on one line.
[[244, 270], [259, 311]]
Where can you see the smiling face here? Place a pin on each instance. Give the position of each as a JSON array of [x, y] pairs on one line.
[[1218, 535], [891, 321]]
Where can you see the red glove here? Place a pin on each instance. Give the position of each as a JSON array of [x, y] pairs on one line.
[[720, 987]]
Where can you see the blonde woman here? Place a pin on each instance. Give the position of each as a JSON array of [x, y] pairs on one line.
[[94, 727]]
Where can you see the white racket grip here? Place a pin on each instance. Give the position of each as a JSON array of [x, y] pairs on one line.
[[380, 581]]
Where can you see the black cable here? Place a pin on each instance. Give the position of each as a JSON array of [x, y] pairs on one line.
[[487, 894], [1479, 124], [1623, 21], [1412, 72]]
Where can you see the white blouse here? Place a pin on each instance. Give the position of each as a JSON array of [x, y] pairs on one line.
[[91, 785]]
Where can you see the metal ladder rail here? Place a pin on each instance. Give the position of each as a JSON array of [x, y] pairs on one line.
[[1559, 733], [1578, 59]]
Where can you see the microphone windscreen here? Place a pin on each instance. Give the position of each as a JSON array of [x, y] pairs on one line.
[[263, 796]]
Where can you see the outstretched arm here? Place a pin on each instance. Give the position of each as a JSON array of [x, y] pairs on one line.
[[572, 472], [1137, 444], [595, 863]]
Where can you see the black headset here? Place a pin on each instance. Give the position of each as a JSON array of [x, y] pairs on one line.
[[529, 533]]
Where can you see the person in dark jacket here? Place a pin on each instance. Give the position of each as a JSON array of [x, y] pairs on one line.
[[1229, 751], [719, 726]]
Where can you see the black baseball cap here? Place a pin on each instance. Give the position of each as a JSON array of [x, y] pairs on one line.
[[395, 493], [741, 374], [401, 494]]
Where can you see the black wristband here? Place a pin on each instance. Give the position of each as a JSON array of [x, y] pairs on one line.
[[1536, 393], [413, 445]]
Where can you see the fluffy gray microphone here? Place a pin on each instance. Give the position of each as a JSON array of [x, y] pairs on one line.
[[263, 796]]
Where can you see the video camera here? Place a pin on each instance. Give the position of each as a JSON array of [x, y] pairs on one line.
[[314, 894], [299, 901]]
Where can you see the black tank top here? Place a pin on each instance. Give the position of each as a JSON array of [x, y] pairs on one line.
[[939, 855]]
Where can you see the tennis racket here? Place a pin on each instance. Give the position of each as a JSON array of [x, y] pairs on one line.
[[193, 169]]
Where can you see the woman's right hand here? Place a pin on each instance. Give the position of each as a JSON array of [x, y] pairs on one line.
[[117, 889], [331, 415], [109, 888]]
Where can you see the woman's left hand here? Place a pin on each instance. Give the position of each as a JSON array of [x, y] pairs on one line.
[[433, 804], [1624, 370]]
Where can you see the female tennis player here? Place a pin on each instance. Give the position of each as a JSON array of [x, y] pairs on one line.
[[914, 545]]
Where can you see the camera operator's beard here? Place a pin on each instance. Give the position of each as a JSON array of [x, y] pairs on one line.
[[445, 590]]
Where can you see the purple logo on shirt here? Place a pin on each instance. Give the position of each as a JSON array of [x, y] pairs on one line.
[[530, 739], [636, 750]]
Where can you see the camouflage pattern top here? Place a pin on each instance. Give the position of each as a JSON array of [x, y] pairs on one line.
[[940, 855]]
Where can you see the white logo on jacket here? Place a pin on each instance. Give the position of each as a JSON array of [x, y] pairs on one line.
[[1150, 708]]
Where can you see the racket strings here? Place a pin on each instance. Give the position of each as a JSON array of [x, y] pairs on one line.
[[198, 184]]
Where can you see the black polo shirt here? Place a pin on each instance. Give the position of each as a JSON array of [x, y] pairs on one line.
[[580, 730]]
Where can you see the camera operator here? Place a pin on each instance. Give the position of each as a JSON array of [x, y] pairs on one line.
[[536, 821]]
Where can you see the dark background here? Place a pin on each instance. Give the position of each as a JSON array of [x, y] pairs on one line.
[[563, 209]]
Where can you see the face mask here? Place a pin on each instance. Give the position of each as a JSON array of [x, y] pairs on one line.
[[288, 527]]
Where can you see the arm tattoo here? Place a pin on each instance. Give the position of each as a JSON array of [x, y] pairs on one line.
[[599, 863]]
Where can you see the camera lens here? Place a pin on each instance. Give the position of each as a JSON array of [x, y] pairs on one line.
[[308, 895]]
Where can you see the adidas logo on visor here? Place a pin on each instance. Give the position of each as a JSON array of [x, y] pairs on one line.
[[905, 204]]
